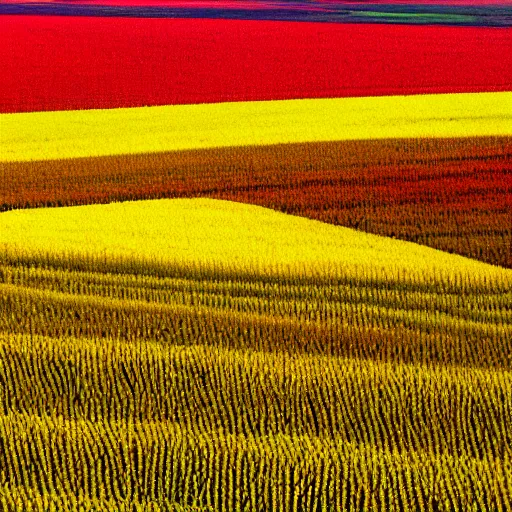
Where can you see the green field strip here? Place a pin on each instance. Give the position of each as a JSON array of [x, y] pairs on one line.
[[398, 17]]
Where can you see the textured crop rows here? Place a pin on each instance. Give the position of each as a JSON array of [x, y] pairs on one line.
[[353, 317], [167, 383], [255, 266], [253, 393]]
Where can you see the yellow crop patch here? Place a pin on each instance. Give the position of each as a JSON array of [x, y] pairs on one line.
[[234, 236], [69, 134]]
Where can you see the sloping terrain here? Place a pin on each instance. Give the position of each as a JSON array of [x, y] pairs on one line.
[[247, 350], [259, 264]]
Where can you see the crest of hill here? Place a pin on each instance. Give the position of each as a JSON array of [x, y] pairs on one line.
[[224, 234]]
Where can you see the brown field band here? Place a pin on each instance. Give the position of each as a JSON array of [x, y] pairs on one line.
[[449, 194]]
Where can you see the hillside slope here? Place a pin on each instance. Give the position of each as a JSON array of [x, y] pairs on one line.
[[157, 346]]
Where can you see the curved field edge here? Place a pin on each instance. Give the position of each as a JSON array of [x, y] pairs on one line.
[[256, 277], [239, 387], [193, 61], [225, 235], [450, 194], [84, 133]]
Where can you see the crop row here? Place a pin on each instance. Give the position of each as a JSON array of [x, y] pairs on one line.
[[126, 383], [450, 194], [390, 406], [244, 430], [356, 319], [119, 462], [280, 299]]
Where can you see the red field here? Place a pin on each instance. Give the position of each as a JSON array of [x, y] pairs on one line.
[[60, 63]]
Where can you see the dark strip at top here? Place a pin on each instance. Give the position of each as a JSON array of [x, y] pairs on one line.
[[485, 16]]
